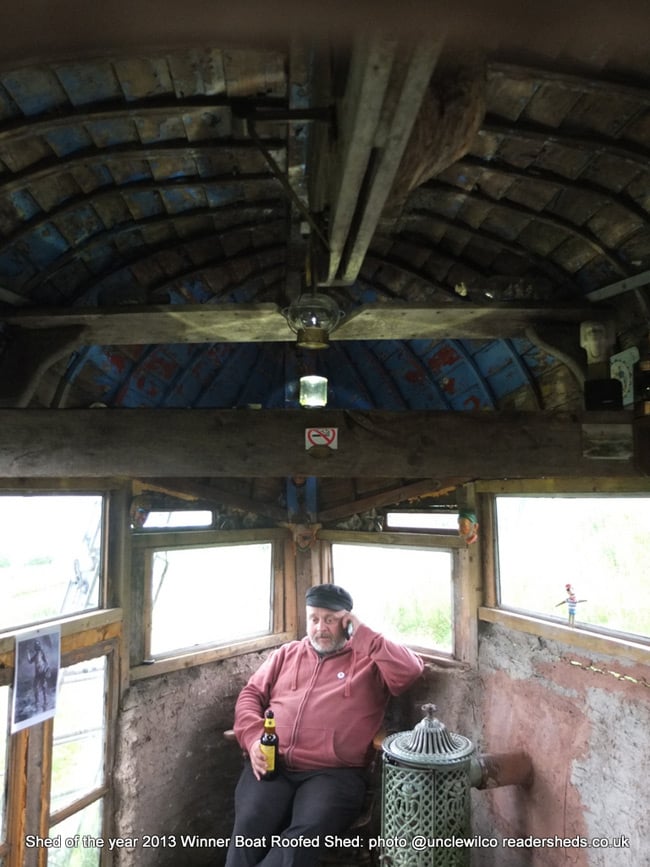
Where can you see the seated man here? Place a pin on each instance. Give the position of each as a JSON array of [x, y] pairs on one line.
[[328, 693]]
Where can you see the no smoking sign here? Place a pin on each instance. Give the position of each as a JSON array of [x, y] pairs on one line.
[[321, 436]]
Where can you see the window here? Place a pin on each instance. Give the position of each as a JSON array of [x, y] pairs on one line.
[[4, 712], [183, 518], [199, 592], [61, 787], [209, 594], [598, 545], [79, 745], [50, 556], [441, 522], [405, 593]]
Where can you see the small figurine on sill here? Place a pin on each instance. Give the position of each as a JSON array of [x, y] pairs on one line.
[[467, 526], [571, 602]]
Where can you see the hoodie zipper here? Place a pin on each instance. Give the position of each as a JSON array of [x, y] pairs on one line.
[[296, 723]]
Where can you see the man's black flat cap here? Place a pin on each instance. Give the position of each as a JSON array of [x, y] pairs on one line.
[[329, 596]]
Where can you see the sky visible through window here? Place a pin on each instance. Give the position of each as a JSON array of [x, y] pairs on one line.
[[50, 556], [405, 593], [208, 595], [599, 545]]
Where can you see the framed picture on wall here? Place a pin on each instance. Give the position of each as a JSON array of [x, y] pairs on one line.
[[36, 676]]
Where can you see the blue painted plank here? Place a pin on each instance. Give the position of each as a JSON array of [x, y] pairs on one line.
[[89, 82], [68, 140], [44, 244], [25, 205], [223, 389], [34, 90]]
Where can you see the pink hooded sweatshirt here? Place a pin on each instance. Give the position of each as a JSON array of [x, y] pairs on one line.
[[327, 708]]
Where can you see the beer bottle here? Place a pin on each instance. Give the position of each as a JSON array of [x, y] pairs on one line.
[[269, 743]]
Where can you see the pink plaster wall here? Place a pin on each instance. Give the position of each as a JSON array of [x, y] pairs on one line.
[[585, 722]]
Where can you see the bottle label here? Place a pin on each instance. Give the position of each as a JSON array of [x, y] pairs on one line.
[[269, 755]]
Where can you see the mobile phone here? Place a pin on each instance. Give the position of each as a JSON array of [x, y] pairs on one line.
[[349, 630]]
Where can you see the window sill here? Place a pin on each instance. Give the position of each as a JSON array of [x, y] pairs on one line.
[[577, 636], [202, 656], [106, 622]]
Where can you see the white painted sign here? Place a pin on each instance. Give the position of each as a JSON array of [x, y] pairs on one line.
[[321, 436]]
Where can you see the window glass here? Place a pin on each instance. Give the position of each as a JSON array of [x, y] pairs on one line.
[[84, 826], [4, 711], [50, 556], [210, 595], [597, 545], [405, 593], [441, 521], [79, 739], [183, 518]]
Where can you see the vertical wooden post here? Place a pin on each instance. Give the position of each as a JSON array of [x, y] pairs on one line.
[[118, 571], [16, 794], [468, 596]]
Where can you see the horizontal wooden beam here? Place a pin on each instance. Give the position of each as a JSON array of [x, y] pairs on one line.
[[145, 443], [254, 323], [414, 490]]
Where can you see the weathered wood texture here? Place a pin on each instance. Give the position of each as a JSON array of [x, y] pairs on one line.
[[255, 323], [214, 443]]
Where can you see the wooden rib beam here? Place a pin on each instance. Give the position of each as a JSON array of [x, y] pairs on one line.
[[592, 145], [555, 222], [174, 443], [413, 491], [162, 109], [383, 94], [255, 323], [45, 168], [572, 81]]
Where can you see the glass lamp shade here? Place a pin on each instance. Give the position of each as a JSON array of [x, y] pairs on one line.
[[313, 317], [313, 391]]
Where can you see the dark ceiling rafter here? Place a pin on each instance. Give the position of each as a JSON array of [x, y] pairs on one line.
[[153, 214], [567, 227], [456, 224], [406, 492], [195, 353], [172, 221], [70, 206], [544, 176], [219, 261], [233, 352], [82, 248], [590, 144], [376, 375], [481, 381], [272, 249], [350, 372], [130, 153], [407, 268], [215, 495], [580, 82], [29, 126], [424, 374], [523, 369], [139, 364]]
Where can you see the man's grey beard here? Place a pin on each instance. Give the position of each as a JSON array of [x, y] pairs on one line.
[[327, 652]]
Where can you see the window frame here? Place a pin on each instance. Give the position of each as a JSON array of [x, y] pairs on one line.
[[83, 636], [102, 566], [144, 543], [585, 637], [10, 767], [463, 649], [104, 792]]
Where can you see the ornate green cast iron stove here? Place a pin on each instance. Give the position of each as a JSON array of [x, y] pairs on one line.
[[425, 795]]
